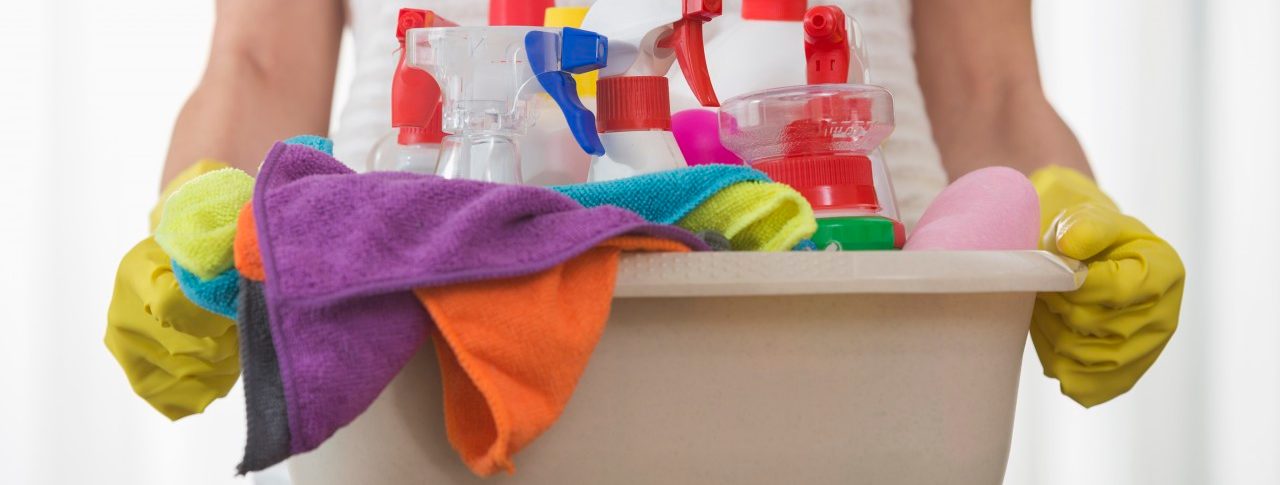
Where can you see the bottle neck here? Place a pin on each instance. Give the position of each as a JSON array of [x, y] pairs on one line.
[[633, 103]]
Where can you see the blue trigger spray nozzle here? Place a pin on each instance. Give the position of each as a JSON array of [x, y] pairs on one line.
[[554, 57]]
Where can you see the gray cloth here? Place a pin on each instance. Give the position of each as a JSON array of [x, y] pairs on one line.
[[715, 240], [267, 440]]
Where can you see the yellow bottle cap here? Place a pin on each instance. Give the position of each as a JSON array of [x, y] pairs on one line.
[[572, 17]]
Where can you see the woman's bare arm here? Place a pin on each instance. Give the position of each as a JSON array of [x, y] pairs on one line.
[[270, 75], [981, 83]]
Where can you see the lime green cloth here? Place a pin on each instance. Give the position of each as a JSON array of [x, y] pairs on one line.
[[198, 225], [755, 216]]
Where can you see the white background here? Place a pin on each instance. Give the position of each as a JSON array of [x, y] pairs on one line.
[[1176, 101]]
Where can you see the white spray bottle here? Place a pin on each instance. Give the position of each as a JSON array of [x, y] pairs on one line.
[[758, 50], [633, 96]]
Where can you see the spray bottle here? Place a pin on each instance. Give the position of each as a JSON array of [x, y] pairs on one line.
[[491, 78], [634, 100], [757, 51], [415, 108], [823, 140], [549, 154]]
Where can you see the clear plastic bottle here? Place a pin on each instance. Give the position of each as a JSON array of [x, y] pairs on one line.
[[492, 79], [414, 146]]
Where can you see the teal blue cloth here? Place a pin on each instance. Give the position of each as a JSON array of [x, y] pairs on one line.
[[663, 197], [318, 142], [220, 295]]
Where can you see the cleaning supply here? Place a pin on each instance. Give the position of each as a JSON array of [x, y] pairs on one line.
[[491, 78], [1100, 339], [645, 39], [314, 142], [823, 139], [177, 356], [415, 108], [267, 438], [247, 257], [549, 155], [662, 197], [697, 132], [195, 170], [519, 12], [338, 282], [218, 295], [197, 227], [991, 209], [738, 202], [754, 217], [501, 392], [756, 51]]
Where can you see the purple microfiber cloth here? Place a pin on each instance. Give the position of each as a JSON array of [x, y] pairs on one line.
[[992, 209], [342, 252]]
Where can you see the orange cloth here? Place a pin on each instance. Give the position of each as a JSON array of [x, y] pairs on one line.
[[248, 259], [511, 351]]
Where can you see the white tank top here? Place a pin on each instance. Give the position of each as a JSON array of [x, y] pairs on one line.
[[913, 159]]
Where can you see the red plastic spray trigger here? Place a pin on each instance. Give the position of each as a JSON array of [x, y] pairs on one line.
[[826, 45], [686, 40]]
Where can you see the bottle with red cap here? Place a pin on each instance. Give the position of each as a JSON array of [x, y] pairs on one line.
[[823, 139], [646, 37], [756, 49], [415, 108], [528, 13]]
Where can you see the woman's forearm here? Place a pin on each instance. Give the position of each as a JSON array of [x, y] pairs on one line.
[[978, 70], [270, 76]]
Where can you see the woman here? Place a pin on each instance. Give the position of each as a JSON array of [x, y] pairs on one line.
[[968, 95]]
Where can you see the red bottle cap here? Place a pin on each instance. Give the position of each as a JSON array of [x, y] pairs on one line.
[[633, 103], [826, 45], [784, 10], [529, 13], [827, 181]]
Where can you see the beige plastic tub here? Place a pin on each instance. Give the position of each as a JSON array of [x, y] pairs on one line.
[[741, 368]]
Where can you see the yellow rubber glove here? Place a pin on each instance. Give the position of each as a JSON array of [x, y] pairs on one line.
[[1100, 339], [177, 356]]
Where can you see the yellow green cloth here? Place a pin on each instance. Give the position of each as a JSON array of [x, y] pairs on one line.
[[198, 224], [177, 356], [1100, 339], [755, 217], [199, 168]]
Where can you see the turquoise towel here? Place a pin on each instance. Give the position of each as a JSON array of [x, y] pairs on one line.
[[317, 142], [220, 295], [663, 197]]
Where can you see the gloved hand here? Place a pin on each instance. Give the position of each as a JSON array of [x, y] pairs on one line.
[[177, 356], [1100, 339]]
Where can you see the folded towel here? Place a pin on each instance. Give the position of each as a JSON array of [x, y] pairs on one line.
[[218, 295], [755, 217], [663, 197], [501, 392], [991, 209], [198, 224], [342, 252], [199, 168], [177, 356], [267, 442]]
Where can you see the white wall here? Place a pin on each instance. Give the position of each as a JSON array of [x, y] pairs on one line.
[[1175, 100]]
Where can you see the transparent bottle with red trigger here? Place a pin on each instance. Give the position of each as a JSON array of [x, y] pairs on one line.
[[823, 139]]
